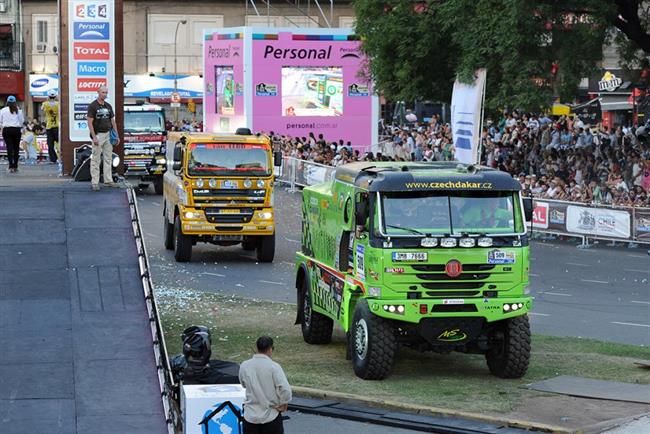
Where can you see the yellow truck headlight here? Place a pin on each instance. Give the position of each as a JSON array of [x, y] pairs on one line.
[[265, 215], [260, 183], [192, 214]]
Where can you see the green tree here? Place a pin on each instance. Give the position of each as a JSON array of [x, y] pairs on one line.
[[533, 51]]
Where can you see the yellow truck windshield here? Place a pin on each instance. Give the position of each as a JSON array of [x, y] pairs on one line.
[[222, 159]]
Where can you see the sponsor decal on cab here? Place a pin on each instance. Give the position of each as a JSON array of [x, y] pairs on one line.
[[90, 51], [90, 84]]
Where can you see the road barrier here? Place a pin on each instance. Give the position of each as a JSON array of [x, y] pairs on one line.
[[573, 219]]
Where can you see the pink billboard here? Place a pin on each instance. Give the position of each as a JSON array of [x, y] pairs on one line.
[[289, 81]]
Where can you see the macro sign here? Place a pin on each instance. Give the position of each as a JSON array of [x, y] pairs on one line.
[[91, 60]]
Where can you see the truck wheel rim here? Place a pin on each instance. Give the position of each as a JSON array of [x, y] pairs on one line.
[[361, 339], [306, 310]]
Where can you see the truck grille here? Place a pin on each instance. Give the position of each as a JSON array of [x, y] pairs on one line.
[[229, 196], [215, 215]]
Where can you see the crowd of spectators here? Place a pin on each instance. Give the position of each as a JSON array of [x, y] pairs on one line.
[[561, 158]]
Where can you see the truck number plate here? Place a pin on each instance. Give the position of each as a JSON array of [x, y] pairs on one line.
[[229, 211], [228, 184], [410, 256]]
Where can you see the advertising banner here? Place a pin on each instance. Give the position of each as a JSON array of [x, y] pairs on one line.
[[601, 222], [91, 61], [466, 112], [642, 224], [540, 215]]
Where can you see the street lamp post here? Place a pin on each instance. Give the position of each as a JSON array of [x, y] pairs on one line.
[[175, 66]]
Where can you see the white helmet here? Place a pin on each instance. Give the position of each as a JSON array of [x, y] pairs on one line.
[[51, 93]]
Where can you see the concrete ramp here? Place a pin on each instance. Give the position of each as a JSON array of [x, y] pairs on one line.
[[76, 350]]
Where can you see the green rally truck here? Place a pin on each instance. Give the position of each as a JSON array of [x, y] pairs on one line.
[[433, 256]]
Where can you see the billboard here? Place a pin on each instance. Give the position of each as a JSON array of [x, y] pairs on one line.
[[91, 62], [290, 81]]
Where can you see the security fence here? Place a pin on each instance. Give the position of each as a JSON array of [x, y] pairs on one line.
[[574, 219]]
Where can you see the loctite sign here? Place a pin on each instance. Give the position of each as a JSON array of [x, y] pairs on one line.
[[92, 59]]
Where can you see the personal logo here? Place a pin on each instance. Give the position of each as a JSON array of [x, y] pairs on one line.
[[497, 256], [91, 51], [85, 30], [453, 268], [609, 82], [396, 270], [452, 335]]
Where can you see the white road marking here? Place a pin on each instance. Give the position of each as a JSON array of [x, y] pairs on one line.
[[594, 281], [538, 314], [637, 256], [273, 283], [533, 274], [577, 265], [630, 324], [555, 293], [152, 235], [214, 274], [636, 271], [640, 302], [162, 266]]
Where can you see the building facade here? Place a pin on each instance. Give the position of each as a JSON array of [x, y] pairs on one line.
[[158, 44], [12, 65]]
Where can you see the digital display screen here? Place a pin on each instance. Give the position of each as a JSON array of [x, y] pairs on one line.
[[312, 91], [225, 90]]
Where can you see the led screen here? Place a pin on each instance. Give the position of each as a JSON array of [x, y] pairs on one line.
[[312, 91], [225, 90]]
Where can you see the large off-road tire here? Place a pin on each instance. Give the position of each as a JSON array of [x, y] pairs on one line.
[[158, 185], [183, 243], [373, 344], [168, 233], [510, 352], [316, 327], [266, 248]]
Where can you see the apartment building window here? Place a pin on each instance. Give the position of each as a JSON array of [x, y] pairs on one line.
[[6, 41], [41, 36]]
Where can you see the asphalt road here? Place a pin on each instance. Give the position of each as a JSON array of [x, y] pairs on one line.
[[601, 292]]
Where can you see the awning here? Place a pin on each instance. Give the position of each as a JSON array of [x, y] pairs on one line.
[[584, 104], [560, 109], [610, 103]]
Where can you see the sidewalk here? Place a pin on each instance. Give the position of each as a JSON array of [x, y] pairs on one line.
[[75, 348]]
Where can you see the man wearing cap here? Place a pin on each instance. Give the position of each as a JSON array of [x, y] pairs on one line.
[[51, 111], [11, 123], [101, 119]]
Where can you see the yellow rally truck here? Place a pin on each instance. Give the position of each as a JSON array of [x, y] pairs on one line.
[[218, 189]]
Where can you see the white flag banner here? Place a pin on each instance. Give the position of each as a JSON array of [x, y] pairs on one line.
[[466, 110]]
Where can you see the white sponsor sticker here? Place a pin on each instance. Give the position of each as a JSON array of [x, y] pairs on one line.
[[497, 256], [453, 301]]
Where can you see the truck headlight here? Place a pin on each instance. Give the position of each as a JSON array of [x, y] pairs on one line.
[[485, 242], [448, 242], [374, 291], [248, 183], [212, 183], [265, 215], [192, 214], [161, 161], [116, 161], [466, 242], [200, 183], [260, 183]]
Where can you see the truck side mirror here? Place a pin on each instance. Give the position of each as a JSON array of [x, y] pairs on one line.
[[361, 212], [277, 159], [178, 158], [528, 208]]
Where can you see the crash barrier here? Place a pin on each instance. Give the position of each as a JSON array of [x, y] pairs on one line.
[[168, 390], [592, 221], [41, 146], [574, 219]]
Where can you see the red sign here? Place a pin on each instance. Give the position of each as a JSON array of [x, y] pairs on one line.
[[453, 268], [90, 84], [540, 215], [91, 51]]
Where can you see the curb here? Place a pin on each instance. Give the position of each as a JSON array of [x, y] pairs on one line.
[[430, 411]]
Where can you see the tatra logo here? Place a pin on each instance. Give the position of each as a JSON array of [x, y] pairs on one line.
[[452, 335], [91, 50], [453, 268], [295, 53]]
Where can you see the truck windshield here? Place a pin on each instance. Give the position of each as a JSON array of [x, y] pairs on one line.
[[453, 213], [212, 159], [144, 122]]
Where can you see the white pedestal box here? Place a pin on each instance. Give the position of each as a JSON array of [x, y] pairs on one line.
[[212, 408]]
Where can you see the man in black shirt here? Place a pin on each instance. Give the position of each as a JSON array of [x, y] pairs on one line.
[[101, 119]]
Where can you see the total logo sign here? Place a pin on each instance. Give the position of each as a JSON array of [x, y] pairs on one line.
[[90, 84], [91, 10], [90, 51]]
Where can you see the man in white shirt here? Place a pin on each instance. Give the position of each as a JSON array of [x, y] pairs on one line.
[[267, 391]]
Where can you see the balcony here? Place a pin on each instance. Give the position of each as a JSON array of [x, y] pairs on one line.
[[11, 55]]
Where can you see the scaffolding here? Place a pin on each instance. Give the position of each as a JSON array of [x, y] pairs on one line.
[[304, 8]]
